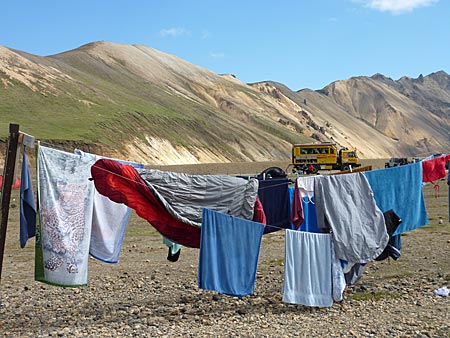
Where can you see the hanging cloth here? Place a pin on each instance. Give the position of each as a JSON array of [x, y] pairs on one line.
[[433, 170], [274, 196], [306, 191], [122, 184], [174, 250], [170, 205], [109, 221], [65, 198], [345, 203], [392, 249], [297, 212], [27, 204], [229, 252], [184, 195], [308, 269], [400, 189]]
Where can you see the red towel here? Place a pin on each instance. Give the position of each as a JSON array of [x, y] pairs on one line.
[[298, 215], [434, 169]]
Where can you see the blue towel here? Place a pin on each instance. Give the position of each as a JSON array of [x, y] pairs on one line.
[[229, 252], [309, 210], [400, 189], [27, 204]]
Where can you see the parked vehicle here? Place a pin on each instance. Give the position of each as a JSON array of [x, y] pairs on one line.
[[396, 161], [312, 157]]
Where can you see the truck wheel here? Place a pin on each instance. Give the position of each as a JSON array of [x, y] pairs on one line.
[[345, 168]]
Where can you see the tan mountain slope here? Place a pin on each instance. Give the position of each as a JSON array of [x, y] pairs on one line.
[[431, 92], [378, 116], [327, 121], [388, 111], [30, 70]]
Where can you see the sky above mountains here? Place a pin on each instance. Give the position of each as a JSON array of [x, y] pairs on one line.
[[302, 44]]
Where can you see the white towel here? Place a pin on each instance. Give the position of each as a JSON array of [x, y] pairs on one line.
[[109, 220]]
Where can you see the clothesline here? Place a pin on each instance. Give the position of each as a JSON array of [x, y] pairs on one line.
[[275, 227], [79, 178], [130, 180], [65, 149], [116, 174], [143, 184]]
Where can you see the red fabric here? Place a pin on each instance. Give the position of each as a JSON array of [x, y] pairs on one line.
[[16, 184], [259, 215], [297, 208], [434, 169], [122, 184]]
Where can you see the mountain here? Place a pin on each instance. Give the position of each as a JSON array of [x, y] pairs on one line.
[[138, 103], [379, 116]]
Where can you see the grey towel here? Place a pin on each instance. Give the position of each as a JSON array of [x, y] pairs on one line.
[[184, 195]]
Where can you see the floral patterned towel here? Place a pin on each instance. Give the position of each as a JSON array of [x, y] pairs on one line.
[[65, 197]]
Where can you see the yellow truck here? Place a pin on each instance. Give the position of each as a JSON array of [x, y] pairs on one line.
[[312, 157]]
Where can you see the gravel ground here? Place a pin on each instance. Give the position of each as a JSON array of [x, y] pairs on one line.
[[144, 295]]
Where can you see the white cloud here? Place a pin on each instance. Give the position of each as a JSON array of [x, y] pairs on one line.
[[205, 34], [398, 6], [174, 32], [217, 55]]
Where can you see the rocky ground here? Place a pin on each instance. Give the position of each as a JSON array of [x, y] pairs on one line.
[[144, 295]]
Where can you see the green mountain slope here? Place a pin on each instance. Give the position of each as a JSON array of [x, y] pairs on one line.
[[127, 99]]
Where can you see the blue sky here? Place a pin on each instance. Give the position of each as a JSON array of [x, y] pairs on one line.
[[300, 43]]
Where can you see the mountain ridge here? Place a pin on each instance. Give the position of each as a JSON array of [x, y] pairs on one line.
[[135, 102]]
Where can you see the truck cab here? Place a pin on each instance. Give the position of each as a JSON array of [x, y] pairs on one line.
[[348, 158]]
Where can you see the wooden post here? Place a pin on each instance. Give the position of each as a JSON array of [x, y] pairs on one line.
[[8, 177]]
